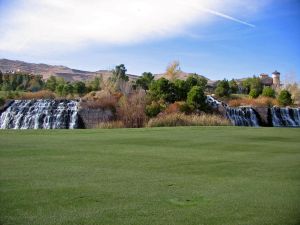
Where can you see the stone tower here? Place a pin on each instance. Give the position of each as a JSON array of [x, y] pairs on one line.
[[276, 79]]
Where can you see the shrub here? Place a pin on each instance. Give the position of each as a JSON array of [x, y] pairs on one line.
[[181, 89], [100, 100], [220, 92], [153, 109], [253, 93], [180, 119], [145, 80], [223, 88], [268, 92], [173, 108], [294, 89], [285, 98], [163, 89], [45, 94], [196, 97], [131, 110], [265, 101], [233, 86], [185, 108], [259, 102], [195, 80], [106, 102], [252, 83]]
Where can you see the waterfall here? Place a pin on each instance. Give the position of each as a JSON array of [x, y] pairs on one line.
[[242, 116], [214, 103], [247, 116], [285, 117], [239, 116], [40, 114]]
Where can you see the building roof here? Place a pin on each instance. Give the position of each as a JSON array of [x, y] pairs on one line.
[[267, 81], [276, 72]]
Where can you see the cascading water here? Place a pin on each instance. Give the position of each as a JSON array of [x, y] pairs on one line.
[[214, 103], [242, 116], [40, 114], [239, 116], [285, 117]]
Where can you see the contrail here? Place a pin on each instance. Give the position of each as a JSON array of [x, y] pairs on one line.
[[227, 17]]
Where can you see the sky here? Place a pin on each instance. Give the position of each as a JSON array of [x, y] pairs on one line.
[[215, 38]]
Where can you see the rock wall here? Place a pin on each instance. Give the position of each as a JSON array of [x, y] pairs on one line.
[[91, 118], [264, 115]]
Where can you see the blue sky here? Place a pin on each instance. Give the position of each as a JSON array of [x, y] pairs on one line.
[[218, 39]]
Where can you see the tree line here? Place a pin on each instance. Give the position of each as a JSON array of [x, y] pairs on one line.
[[24, 82]]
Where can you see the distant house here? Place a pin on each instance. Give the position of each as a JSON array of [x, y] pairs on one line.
[[273, 81]]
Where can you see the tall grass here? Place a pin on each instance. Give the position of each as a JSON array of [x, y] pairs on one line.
[[180, 119], [44, 94], [258, 102], [131, 110]]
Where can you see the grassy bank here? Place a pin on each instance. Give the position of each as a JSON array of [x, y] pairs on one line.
[[183, 175]]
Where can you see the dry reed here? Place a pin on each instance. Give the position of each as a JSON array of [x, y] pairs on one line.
[[180, 119], [258, 102]]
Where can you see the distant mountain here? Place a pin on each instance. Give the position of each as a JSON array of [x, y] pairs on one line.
[[47, 70], [67, 73]]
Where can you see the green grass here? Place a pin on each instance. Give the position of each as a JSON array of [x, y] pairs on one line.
[[155, 176], [4, 94]]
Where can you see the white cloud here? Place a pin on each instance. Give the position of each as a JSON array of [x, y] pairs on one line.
[[53, 25]]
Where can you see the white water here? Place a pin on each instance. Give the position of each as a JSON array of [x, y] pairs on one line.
[[214, 103], [242, 116], [285, 117], [239, 116], [40, 114]]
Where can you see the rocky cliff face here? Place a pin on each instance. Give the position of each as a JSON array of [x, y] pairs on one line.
[[91, 118], [264, 115]]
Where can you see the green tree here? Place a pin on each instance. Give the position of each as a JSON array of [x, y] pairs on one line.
[[246, 85], [59, 89], [181, 90], [268, 92], [67, 89], [96, 83], [163, 89], [79, 88], [159, 89], [252, 83], [35, 84], [119, 73], [13, 82], [51, 83], [233, 86], [195, 80], [145, 80], [285, 98], [253, 93], [197, 98], [223, 88], [256, 84]]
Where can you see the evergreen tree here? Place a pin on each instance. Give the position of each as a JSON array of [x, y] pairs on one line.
[[145, 80], [197, 98], [223, 88]]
